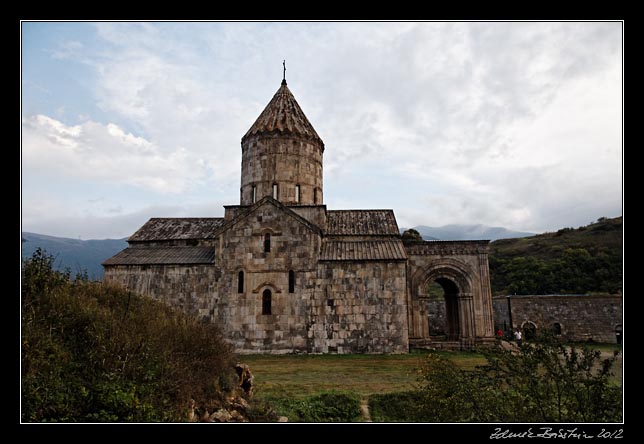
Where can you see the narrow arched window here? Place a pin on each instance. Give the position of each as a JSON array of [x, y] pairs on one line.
[[275, 190], [291, 281], [240, 282], [267, 243], [297, 194], [254, 194], [556, 328], [266, 302], [315, 196]]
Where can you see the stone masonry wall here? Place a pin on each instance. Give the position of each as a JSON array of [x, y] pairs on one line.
[[581, 317], [188, 288], [501, 313], [286, 161], [335, 306], [294, 247], [360, 308], [437, 317]]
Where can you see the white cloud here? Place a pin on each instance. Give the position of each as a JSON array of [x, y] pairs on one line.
[[97, 152], [67, 50], [514, 124], [59, 218]]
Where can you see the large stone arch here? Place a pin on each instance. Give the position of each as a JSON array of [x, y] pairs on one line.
[[461, 268], [453, 269], [456, 279]]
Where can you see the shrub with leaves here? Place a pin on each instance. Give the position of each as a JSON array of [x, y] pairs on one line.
[[92, 352], [542, 381], [331, 406]]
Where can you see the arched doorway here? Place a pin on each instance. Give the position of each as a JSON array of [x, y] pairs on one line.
[[441, 310], [529, 330]]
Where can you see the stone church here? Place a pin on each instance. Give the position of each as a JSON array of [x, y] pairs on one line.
[[281, 273]]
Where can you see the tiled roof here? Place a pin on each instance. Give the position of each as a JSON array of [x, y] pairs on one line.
[[163, 256], [361, 223], [157, 229], [283, 115], [371, 250]]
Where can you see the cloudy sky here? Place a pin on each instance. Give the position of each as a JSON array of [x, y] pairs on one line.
[[503, 124]]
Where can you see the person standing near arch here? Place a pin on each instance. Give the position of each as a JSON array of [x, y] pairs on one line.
[[517, 336]]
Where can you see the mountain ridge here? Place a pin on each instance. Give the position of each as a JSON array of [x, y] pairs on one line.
[[75, 254], [468, 232]]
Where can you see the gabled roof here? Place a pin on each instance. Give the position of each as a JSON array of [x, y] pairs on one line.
[[369, 250], [163, 256], [270, 201], [283, 115], [177, 228], [361, 223]]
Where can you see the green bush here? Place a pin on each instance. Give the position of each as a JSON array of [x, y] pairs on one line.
[[324, 407], [544, 381], [261, 410], [93, 353], [397, 407]]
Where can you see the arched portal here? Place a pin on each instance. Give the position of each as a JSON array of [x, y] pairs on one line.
[[447, 317], [529, 330]]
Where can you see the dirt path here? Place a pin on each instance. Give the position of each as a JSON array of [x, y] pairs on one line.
[[364, 407]]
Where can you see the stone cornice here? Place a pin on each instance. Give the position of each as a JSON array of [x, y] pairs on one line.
[[430, 248]]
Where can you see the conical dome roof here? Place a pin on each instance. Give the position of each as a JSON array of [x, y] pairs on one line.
[[283, 115]]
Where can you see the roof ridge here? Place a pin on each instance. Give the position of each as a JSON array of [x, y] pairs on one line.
[[364, 209], [188, 217], [375, 222], [166, 247], [174, 228]]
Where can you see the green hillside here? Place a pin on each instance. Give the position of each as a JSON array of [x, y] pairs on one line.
[[583, 260]]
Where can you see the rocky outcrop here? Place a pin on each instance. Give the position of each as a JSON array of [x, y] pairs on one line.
[[235, 407], [245, 379]]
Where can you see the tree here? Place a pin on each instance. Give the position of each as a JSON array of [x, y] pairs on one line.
[[412, 235]]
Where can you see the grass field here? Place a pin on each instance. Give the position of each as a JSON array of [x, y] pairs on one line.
[[300, 376]]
